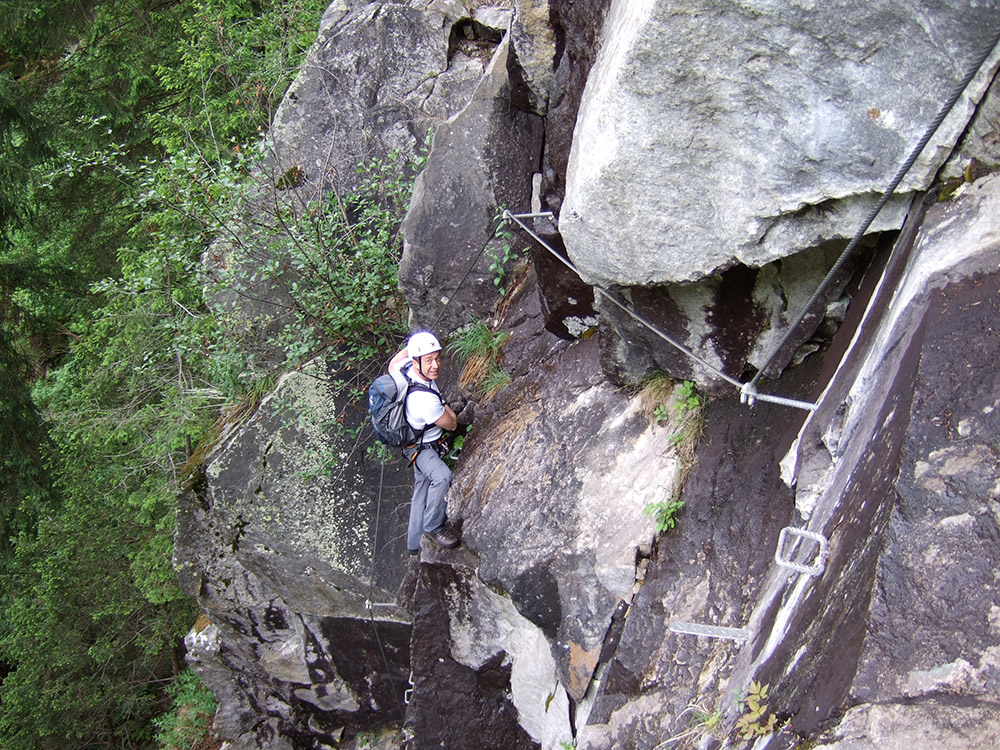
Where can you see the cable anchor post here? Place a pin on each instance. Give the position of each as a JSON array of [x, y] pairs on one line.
[[748, 394]]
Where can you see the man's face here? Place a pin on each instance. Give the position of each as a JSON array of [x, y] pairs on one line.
[[430, 365]]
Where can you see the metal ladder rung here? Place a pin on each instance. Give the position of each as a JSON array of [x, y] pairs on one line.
[[710, 631], [408, 694], [819, 562]]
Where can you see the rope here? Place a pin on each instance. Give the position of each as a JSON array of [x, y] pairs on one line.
[[911, 159], [748, 391], [747, 396]]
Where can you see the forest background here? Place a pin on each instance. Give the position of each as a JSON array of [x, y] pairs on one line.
[[131, 135]]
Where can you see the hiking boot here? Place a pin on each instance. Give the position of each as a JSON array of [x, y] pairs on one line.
[[443, 537]]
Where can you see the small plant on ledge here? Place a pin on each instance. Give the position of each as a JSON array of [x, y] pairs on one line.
[[481, 351], [680, 408], [703, 725], [664, 513], [753, 723]]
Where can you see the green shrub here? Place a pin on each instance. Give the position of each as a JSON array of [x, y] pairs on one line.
[[188, 723], [664, 513], [480, 350]]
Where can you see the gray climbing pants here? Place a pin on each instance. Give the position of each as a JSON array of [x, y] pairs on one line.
[[431, 480]]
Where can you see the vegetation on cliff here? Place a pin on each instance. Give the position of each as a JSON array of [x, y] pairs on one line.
[[124, 131]]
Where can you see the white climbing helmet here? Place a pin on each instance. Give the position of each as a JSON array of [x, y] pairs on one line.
[[421, 343]]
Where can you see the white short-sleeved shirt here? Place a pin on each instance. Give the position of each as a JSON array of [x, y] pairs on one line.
[[422, 408]]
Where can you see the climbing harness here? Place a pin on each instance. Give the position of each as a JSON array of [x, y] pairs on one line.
[[440, 447]]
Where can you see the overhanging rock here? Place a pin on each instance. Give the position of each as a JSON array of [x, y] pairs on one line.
[[711, 135]]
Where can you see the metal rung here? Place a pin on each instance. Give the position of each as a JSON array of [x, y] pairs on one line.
[[819, 562], [540, 215], [369, 604], [408, 694], [749, 395], [710, 631]]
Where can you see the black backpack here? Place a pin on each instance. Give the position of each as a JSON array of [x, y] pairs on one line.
[[387, 407]]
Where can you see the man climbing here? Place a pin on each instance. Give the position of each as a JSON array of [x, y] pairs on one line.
[[418, 365]]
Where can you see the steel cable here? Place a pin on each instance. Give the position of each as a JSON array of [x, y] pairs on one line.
[[886, 196]]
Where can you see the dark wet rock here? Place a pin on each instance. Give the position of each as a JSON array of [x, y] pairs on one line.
[[937, 587], [457, 704], [567, 302], [482, 159], [578, 25], [907, 501], [706, 571], [733, 320]]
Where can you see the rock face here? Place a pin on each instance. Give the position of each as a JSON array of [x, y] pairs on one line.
[[756, 131], [706, 163], [732, 321], [380, 75], [716, 138], [939, 529], [566, 564], [895, 470], [482, 159], [286, 535], [542, 578], [466, 687], [568, 303]]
